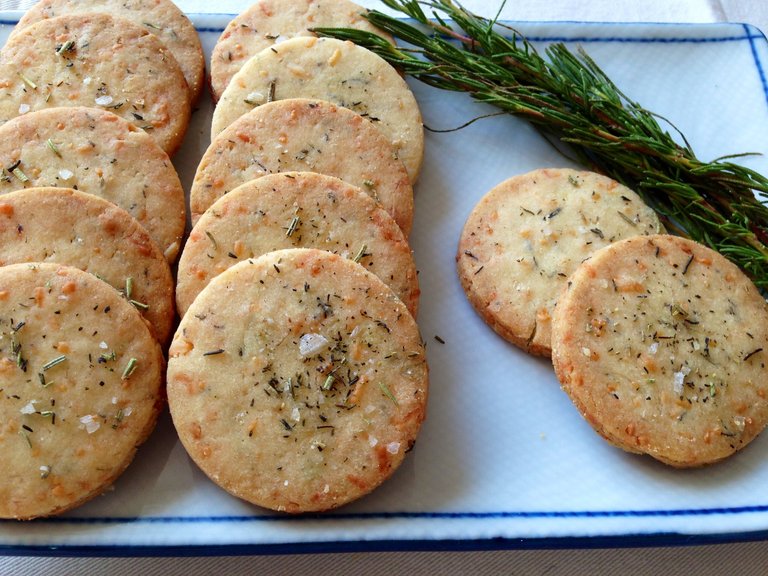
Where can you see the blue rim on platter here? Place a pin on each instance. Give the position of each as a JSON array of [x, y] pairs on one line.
[[699, 504]]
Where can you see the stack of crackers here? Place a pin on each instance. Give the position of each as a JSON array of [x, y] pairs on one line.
[[297, 378], [659, 341], [96, 97]]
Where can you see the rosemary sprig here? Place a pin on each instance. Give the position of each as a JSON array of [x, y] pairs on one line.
[[569, 99]]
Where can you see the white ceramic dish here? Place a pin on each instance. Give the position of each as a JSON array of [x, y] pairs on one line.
[[504, 459]]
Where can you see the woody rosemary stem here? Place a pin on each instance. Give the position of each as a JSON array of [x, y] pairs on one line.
[[571, 101]]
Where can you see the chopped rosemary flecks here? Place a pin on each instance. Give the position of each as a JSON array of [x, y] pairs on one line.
[[27, 81], [214, 352], [118, 419], [554, 213], [128, 287], [26, 437], [140, 305], [626, 218], [55, 362], [129, 369], [360, 253], [292, 226], [52, 145], [65, 47], [43, 382], [21, 362], [49, 414], [388, 393], [748, 356], [687, 265], [328, 384], [104, 357], [212, 239], [20, 175]]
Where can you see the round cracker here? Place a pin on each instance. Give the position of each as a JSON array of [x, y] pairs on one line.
[[529, 233], [68, 227], [661, 344], [296, 210], [339, 72], [97, 152], [301, 134], [266, 22], [159, 17], [304, 391], [81, 378], [96, 60]]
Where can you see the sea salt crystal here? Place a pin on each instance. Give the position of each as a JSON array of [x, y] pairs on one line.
[[65, 174], [311, 343], [103, 345], [679, 379], [24, 108], [254, 98], [29, 408], [393, 447], [103, 100], [678, 382], [653, 348], [90, 423], [373, 441]]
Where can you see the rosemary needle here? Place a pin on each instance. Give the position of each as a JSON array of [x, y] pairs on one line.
[[567, 97]]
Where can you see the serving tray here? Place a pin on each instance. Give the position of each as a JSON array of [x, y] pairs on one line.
[[504, 460]]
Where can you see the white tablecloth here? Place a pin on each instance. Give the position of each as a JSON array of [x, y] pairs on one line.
[[744, 559]]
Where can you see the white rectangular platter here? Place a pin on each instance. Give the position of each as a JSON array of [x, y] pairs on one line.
[[504, 460]]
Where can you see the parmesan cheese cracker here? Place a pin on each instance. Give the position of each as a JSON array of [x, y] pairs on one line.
[[267, 22], [339, 72], [300, 134], [97, 152], [297, 381], [296, 210], [661, 344], [81, 387], [159, 17], [68, 227], [525, 237], [98, 61]]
